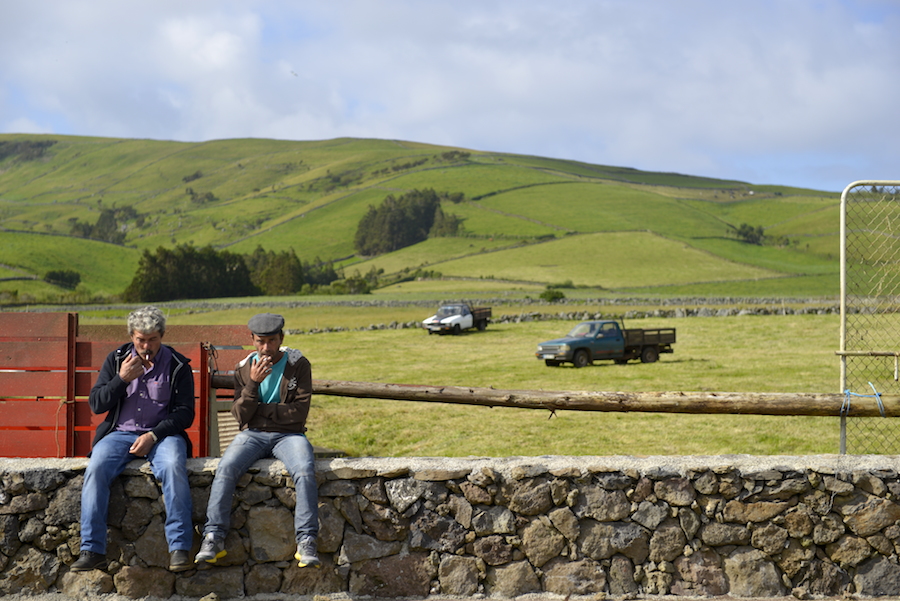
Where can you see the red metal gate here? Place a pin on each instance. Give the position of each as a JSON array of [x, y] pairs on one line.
[[48, 365]]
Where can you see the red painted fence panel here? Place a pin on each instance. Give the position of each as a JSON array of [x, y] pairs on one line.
[[48, 365], [37, 383]]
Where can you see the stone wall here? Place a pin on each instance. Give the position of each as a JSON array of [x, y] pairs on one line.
[[413, 527]]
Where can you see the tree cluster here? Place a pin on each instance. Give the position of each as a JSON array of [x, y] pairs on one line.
[[200, 198], [65, 278], [110, 226], [25, 150], [400, 222], [186, 272], [750, 234]]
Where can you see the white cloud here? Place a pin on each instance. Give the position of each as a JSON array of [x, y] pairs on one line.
[[767, 91]]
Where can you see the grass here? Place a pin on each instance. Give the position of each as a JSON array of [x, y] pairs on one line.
[[309, 196], [729, 354], [614, 260], [765, 354], [104, 268]]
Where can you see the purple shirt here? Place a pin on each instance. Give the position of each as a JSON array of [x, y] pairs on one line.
[[147, 396]]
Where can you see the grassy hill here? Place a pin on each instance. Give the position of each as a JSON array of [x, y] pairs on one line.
[[528, 220]]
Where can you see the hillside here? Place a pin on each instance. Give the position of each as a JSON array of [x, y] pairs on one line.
[[528, 221]]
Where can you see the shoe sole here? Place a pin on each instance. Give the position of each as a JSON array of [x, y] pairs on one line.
[[98, 567], [218, 556], [182, 567], [312, 564]]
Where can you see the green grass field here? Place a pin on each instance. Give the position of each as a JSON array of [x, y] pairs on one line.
[[727, 354], [713, 354], [663, 230]]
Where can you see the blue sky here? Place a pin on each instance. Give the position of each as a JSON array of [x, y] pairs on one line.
[[791, 92]]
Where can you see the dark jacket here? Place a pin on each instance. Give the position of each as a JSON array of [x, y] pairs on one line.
[[110, 390], [295, 392]]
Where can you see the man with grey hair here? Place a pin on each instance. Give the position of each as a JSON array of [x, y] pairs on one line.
[[147, 392]]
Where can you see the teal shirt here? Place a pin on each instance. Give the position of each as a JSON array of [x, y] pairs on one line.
[[268, 388]]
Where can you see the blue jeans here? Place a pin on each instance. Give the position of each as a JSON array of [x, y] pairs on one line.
[[248, 446], [108, 459]]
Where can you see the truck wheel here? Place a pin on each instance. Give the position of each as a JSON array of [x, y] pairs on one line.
[[482, 325], [551, 363], [457, 330], [581, 359], [649, 354]]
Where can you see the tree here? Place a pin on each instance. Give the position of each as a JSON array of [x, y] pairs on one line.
[[110, 226], [65, 278], [186, 272], [275, 273], [750, 234], [400, 222]]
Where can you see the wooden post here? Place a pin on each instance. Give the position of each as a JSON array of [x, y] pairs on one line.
[[731, 403]]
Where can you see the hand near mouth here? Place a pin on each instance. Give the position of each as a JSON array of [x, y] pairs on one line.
[[145, 360]]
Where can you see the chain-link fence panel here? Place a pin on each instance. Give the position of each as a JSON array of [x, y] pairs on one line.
[[870, 323]]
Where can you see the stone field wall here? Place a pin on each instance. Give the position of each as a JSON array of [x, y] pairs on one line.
[[413, 527]]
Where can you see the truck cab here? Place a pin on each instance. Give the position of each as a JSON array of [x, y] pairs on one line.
[[453, 318], [587, 342]]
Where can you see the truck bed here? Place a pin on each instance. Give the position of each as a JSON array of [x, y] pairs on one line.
[[643, 337], [481, 313]]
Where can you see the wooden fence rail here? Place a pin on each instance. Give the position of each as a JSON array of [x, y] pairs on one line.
[[733, 403]]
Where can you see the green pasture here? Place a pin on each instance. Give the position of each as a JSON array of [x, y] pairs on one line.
[[775, 353], [787, 260], [104, 268], [767, 354], [326, 232], [787, 286], [767, 211], [427, 254], [728, 354], [309, 196], [609, 260], [455, 289], [475, 178]]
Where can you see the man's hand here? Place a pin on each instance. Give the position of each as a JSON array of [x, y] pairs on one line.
[[132, 367], [142, 445], [261, 368]]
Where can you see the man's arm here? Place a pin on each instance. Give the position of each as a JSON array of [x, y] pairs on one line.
[[109, 389], [246, 396]]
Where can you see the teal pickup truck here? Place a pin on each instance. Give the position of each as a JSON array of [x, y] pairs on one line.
[[591, 341]]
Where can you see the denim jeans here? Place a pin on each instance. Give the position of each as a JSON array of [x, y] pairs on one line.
[[294, 451], [108, 459]]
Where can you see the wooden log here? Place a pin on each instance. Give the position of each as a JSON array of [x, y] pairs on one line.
[[725, 403]]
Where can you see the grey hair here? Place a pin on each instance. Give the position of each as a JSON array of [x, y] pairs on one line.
[[147, 319]]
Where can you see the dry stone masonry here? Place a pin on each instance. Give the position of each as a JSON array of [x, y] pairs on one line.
[[413, 527]]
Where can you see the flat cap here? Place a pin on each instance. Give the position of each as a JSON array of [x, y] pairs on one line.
[[266, 324]]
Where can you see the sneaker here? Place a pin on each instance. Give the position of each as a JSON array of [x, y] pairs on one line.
[[88, 560], [211, 549], [179, 561], [306, 553]]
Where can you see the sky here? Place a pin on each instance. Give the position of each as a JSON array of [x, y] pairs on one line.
[[789, 92]]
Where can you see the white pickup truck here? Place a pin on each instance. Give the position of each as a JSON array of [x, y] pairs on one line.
[[455, 317]]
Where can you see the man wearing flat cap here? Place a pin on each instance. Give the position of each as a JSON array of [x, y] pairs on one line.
[[272, 391]]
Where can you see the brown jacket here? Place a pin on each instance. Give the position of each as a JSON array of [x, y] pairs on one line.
[[288, 415]]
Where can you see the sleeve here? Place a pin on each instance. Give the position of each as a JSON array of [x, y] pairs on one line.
[[246, 396], [109, 389]]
